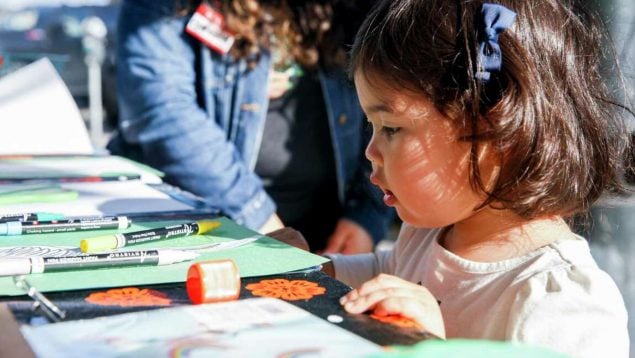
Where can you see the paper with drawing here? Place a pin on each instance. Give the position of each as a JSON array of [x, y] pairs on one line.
[[259, 327]]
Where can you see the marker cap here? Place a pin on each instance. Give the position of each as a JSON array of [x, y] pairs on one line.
[[213, 281], [124, 222], [98, 243], [15, 266], [206, 225], [11, 228]]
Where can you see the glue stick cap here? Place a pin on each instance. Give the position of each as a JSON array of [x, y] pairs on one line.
[[98, 243], [213, 281]]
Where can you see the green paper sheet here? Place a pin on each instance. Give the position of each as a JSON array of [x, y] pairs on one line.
[[265, 256], [38, 195]]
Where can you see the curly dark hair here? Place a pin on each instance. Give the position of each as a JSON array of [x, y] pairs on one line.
[[548, 112], [310, 32]]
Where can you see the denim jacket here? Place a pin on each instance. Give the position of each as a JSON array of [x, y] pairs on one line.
[[199, 117]]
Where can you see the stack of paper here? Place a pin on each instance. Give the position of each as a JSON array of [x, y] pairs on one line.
[[106, 198], [38, 115], [82, 186], [93, 167]]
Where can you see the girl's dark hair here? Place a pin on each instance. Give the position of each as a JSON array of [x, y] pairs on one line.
[[310, 32], [548, 113]]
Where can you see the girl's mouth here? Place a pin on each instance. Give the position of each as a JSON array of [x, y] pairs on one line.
[[389, 198]]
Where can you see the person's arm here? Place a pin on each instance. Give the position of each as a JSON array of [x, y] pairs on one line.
[[159, 109], [362, 266]]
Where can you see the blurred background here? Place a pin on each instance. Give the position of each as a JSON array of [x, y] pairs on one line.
[[78, 36]]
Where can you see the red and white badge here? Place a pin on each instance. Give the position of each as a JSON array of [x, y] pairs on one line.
[[207, 26]]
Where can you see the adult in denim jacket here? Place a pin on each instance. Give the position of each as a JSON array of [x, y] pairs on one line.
[[199, 116]]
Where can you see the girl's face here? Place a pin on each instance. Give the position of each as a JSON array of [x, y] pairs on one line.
[[418, 160]]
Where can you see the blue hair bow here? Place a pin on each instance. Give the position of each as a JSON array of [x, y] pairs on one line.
[[496, 19]]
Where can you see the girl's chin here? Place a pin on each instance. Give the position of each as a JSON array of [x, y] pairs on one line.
[[427, 222]]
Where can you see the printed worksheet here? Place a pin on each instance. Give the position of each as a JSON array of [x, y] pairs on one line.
[[257, 327]]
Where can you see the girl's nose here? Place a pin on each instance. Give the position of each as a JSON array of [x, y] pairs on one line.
[[372, 153]]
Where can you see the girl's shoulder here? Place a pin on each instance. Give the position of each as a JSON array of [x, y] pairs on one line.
[[564, 265], [562, 296]]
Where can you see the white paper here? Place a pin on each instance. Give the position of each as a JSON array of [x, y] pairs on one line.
[[38, 115], [105, 198]]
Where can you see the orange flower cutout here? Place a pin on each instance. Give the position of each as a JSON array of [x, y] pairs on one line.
[[397, 320], [129, 296], [287, 290]]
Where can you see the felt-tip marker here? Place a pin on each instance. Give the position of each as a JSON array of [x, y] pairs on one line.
[[112, 242], [30, 217], [67, 225], [28, 265], [70, 179]]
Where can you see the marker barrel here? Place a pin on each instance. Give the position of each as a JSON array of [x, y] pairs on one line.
[[112, 242], [69, 225], [27, 265], [113, 259], [140, 237]]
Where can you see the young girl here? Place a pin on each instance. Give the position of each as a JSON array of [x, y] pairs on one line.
[[491, 125]]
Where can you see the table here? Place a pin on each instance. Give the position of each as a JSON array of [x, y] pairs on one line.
[[78, 305], [92, 303]]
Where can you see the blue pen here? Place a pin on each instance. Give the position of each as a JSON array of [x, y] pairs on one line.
[[31, 217]]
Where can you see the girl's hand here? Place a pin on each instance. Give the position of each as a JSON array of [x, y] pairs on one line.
[[349, 238], [390, 295], [291, 237], [273, 223]]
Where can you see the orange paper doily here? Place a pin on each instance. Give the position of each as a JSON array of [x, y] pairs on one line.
[[129, 296], [287, 290]]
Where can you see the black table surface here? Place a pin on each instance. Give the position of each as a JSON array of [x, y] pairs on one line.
[[76, 306]]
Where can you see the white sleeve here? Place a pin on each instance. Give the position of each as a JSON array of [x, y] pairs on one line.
[[574, 310], [354, 270]]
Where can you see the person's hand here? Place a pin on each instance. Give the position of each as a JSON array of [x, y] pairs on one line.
[[279, 83], [291, 237], [349, 238], [273, 223], [389, 295]]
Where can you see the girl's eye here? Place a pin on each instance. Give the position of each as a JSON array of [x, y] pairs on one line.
[[390, 131]]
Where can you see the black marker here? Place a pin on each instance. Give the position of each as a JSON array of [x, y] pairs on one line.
[[112, 242], [27, 265], [30, 217], [68, 225]]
